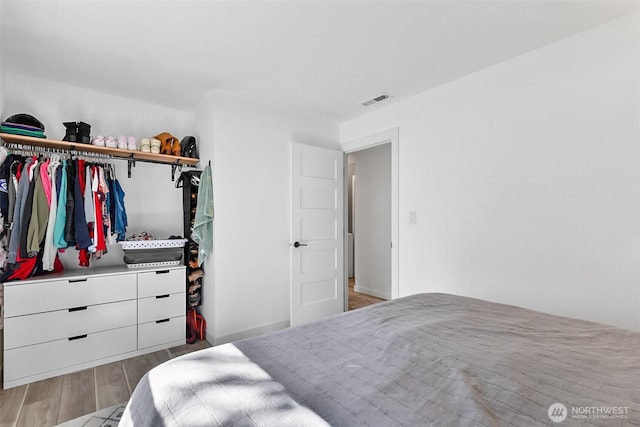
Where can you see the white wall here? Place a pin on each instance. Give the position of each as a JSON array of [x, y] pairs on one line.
[[251, 175], [152, 201], [525, 179], [372, 236]]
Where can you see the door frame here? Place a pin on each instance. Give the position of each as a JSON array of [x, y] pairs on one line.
[[387, 136]]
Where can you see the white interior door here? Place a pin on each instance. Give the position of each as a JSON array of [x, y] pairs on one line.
[[317, 235]]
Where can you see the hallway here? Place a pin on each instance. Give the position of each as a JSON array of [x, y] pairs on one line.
[[358, 300]]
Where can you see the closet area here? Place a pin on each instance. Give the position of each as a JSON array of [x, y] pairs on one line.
[[59, 320]]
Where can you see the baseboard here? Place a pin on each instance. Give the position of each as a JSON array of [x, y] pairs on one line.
[[372, 292], [248, 333]]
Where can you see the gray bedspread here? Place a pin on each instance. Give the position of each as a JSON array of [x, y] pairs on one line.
[[429, 359]]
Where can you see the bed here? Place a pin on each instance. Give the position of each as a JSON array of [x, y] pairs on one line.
[[427, 359]]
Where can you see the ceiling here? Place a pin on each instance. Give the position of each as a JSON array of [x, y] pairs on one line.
[[318, 58]]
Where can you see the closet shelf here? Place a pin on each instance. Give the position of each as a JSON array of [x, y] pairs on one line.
[[89, 148]]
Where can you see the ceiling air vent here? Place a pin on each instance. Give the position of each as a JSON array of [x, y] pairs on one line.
[[375, 100]]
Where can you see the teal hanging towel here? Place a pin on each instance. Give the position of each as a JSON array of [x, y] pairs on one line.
[[203, 222]]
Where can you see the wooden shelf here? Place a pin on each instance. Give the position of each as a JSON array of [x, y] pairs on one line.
[[89, 148]]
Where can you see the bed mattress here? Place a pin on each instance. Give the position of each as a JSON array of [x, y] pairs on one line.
[[428, 359]]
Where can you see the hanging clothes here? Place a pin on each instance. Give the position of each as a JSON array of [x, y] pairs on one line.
[[17, 213], [47, 205], [16, 169], [89, 207], [203, 222], [97, 198], [50, 250], [7, 201], [5, 178], [69, 229], [39, 210], [61, 210], [46, 179], [106, 220], [81, 232], [119, 221], [27, 202], [33, 172]]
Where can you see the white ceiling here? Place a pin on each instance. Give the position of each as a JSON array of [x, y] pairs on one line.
[[319, 58]]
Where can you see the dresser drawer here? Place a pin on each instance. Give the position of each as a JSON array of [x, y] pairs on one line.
[[36, 359], [161, 307], [55, 325], [37, 297], [161, 282], [161, 332]]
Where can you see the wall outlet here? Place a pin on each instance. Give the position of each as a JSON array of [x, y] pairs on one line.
[[412, 217]]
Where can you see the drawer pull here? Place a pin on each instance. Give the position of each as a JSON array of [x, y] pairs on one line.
[[71, 310], [78, 337], [77, 280], [163, 296], [162, 271], [162, 321]]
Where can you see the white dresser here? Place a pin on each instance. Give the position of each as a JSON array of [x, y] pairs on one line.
[[64, 322]]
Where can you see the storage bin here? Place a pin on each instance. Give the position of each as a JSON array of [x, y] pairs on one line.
[[152, 253]]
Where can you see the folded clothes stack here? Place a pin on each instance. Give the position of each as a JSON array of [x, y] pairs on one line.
[[23, 124]]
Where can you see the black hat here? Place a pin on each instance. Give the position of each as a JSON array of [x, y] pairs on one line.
[[25, 119]]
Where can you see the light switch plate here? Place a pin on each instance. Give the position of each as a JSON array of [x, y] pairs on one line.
[[412, 217]]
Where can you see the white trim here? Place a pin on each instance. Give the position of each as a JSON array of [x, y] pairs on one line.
[[387, 136], [372, 292], [248, 333], [383, 137]]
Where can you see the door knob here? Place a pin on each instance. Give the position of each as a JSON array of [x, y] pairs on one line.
[[298, 244]]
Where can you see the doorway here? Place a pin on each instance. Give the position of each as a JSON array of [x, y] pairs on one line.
[[371, 219], [389, 136]]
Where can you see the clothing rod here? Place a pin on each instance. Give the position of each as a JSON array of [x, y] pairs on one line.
[[30, 149]]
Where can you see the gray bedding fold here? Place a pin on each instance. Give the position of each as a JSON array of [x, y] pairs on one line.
[[429, 359]]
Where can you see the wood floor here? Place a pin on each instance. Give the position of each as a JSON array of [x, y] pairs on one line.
[[358, 300], [59, 399]]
